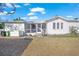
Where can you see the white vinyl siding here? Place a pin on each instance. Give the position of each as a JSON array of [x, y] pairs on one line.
[[64, 26]]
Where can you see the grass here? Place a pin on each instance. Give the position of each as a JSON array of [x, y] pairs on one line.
[[53, 46]]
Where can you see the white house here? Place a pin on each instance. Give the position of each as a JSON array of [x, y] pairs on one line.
[[55, 26], [60, 25]]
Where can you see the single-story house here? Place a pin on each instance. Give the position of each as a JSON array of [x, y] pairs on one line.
[[55, 26], [61, 25]]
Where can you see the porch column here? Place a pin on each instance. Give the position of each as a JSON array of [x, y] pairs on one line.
[[41, 26], [30, 28], [36, 28]]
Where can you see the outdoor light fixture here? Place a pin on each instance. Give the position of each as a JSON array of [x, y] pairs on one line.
[[7, 8]]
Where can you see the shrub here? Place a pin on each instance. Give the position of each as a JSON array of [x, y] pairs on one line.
[[73, 31], [2, 25], [8, 33], [3, 33]]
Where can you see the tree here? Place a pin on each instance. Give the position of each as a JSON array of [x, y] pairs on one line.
[[18, 19]]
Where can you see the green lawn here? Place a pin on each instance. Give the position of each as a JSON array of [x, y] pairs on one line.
[[51, 46]]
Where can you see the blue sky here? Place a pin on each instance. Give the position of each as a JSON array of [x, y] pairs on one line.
[[43, 11]]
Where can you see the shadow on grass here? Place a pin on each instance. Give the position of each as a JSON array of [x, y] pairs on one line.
[[13, 47]]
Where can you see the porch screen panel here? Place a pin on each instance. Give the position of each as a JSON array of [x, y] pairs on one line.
[[27, 28], [39, 27]]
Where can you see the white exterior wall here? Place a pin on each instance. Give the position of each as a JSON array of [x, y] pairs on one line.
[[51, 31], [14, 33], [15, 28], [36, 33], [75, 24]]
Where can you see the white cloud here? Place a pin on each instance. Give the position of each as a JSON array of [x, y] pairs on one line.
[[43, 12], [33, 17], [26, 4], [24, 18], [12, 11], [9, 5], [3, 13], [69, 16], [17, 6], [31, 14], [38, 9]]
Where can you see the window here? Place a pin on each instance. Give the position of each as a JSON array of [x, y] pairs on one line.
[[61, 25], [57, 25], [44, 26], [39, 25], [53, 25]]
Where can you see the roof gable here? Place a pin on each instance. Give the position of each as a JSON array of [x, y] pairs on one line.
[[58, 17], [62, 18]]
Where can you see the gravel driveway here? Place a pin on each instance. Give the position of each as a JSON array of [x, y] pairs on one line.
[[13, 47]]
